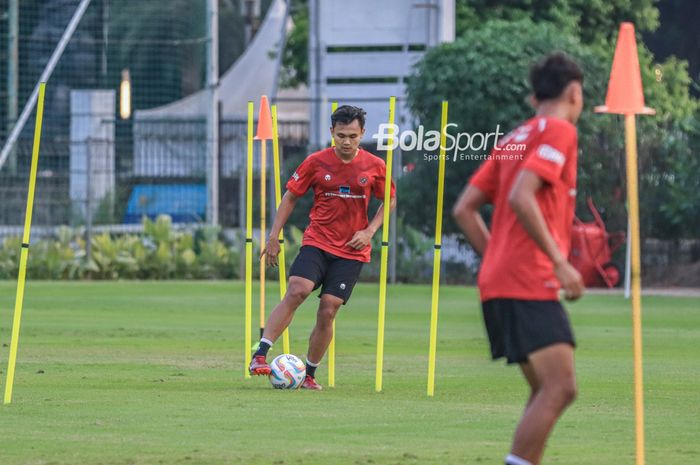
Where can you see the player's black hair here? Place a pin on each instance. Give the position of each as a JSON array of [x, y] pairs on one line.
[[550, 76], [346, 114]]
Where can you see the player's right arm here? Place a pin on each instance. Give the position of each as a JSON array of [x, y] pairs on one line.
[[272, 249], [480, 190], [298, 184], [467, 214]]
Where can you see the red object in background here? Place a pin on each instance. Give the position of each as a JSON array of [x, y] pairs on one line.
[[591, 251]]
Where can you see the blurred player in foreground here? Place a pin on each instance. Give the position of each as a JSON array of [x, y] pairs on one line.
[[530, 178]]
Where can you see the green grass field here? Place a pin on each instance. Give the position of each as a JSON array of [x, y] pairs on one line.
[[152, 373]]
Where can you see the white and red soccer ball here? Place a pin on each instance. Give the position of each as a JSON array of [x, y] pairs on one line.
[[288, 372]]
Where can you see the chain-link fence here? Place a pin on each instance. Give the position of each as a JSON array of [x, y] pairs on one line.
[[98, 164]]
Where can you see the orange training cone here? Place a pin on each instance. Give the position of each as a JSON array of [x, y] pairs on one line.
[[625, 95], [264, 120]]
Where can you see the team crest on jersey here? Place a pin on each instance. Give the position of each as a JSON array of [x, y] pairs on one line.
[[327, 177], [362, 180]]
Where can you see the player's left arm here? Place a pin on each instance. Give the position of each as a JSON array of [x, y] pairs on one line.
[[361, 239], [545, 165], [523, 201]]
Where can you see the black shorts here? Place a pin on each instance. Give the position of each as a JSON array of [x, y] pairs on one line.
[[337, 275], [516, 328]]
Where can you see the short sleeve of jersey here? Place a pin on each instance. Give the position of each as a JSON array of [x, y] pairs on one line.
[[378, 188], [549, 153], [486, 178], [301, 179]]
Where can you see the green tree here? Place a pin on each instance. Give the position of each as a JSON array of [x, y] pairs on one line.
[[678, 34], [483, 76], [295, 60], [590, 20]]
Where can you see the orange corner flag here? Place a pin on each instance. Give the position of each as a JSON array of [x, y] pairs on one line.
[[264, 120], [625, 94]]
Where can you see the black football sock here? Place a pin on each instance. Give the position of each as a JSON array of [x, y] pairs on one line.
[[311, 368], [263, 347]]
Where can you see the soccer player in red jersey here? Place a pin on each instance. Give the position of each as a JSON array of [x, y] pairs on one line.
[[530, 178], [337, 241]]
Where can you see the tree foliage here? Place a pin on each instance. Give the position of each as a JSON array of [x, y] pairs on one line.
[[295, 61], [483, 76], [589, 20]]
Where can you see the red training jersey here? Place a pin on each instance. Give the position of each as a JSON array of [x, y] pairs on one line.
[[341, 197], [513, 264]]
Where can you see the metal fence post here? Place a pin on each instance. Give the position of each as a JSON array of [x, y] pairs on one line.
[[88, 199]]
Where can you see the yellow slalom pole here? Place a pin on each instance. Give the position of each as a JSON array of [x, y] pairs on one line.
[[19, 299], [249, 245], [331, 347], [334, 106], [633, 200], [385, 250], [436, 254], [278, 200], [263, 228]]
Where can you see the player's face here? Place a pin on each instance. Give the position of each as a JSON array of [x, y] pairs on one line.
[[347, 137]]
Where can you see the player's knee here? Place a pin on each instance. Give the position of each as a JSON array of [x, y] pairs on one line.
[[297, 294], [560, 393], [569, 392], [534, 390], [326, 314], [565, 392]]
